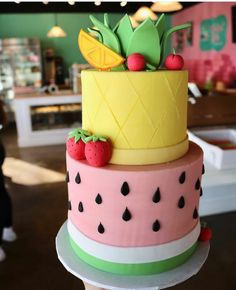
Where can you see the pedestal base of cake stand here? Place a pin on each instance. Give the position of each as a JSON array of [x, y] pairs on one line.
[[95, 279]]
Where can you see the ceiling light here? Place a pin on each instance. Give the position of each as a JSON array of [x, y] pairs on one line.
[[45, 2], [143, 13], [97, 3], [56, 30], [167, 6], [123, 3], [71, 2]]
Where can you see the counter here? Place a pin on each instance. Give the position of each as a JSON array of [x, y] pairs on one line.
[[43, 119]]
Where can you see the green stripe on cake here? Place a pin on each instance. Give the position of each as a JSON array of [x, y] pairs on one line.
[[133, 269]]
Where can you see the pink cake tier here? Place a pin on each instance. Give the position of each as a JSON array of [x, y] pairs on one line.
[[130, 206], [149, 211]]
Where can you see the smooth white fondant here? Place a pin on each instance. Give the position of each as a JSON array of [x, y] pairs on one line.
[[133, 255]]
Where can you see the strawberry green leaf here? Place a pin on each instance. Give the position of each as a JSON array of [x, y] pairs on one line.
[[95, 138], [87, 139], [78, 134], [124, 32], [145, 40], [160, 25], [108, 36], [167, 35]]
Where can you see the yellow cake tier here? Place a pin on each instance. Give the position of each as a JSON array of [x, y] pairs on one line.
[[144, 114]]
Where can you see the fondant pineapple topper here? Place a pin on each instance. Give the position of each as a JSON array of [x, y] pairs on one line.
[[114, 46]]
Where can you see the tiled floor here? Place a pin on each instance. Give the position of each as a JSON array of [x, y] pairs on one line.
[[39, 211]]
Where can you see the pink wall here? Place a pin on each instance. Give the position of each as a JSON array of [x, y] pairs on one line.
[[211, 64]]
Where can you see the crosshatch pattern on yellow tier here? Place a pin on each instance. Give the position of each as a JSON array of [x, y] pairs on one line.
[[126, 107]]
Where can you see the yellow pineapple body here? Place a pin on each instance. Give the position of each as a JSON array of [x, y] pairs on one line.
[[144, 114]]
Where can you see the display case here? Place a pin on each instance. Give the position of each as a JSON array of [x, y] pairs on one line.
[[46, 119], [25, 60]]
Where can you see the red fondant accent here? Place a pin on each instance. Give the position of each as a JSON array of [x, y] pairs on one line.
[[174, 62], [205, 235], [75, 150], [98, 153], [136, 62]]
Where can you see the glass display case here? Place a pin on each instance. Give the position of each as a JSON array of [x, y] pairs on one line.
[[55, 116], [43, 119], [25, 60]]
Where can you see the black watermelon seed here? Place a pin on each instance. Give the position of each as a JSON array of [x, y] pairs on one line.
[[201, 192], [197, 184], [157, 196], [195, 213], [69, 205], [126, 215], [125, 188], [80, 207], [203, 169], [156, 226], [101, 229], [182, 177], [181, 202], [78, 179], [98, 199], [67, 177]]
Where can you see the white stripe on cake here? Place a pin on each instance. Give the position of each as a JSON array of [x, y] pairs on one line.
[[133, 255]]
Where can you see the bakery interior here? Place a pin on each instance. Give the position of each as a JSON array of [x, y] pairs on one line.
[[40, 88]]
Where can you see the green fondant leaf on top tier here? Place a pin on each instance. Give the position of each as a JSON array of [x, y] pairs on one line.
[[145, 40], [106, 20], [167, 35], [108, 36], [150, 67], [119, 68], [160, 25], [97, 33], [124, 31]]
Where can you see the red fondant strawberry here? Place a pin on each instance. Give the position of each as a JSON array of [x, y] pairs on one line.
[[205, 234], [75, 144], [174, 61], [97, 150]]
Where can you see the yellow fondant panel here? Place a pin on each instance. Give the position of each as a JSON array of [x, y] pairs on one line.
[[136, 110]]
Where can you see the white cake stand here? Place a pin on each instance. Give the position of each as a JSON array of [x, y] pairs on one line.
[[97, 279]]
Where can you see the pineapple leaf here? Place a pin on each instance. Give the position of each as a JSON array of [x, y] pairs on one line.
[[119, 68], [167, 35], [145, 40], [106, 20], [150, 67], [124, 32], [108, 36], [160, 25], [98, 34]]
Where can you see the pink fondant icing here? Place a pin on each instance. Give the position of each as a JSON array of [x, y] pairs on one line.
[[143, 182]]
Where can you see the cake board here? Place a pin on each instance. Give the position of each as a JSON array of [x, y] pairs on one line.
[[105, 280]]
